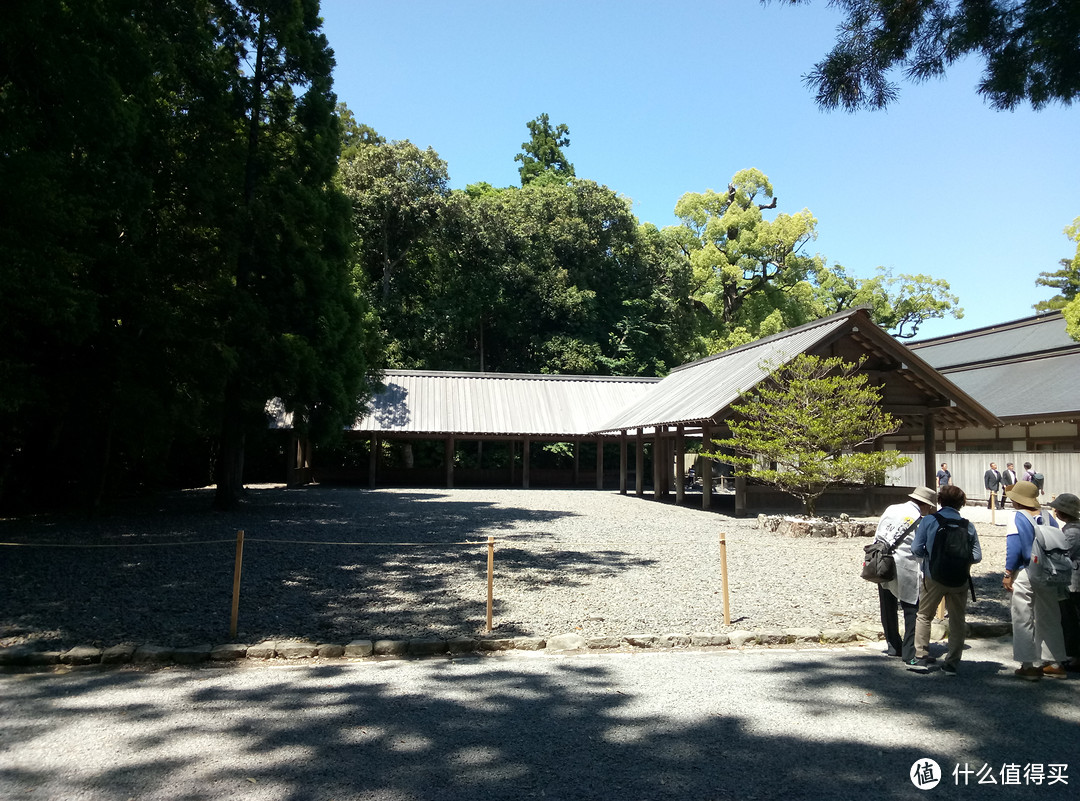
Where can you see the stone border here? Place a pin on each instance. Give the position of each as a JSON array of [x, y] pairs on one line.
[[28, 656]]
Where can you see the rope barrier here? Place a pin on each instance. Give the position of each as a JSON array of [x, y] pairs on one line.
[[226, 542]]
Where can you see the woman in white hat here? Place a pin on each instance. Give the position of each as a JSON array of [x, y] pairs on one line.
[[1036, 614]]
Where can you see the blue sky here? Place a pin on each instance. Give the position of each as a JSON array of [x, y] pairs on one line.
[[668, 97]]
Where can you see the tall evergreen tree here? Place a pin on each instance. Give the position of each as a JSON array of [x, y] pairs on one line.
[[294, 324], [542, 155]]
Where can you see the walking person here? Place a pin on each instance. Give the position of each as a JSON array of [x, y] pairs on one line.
[[897, 528], [1066, 508], [948, 546], [992, 482], [1035, 608]]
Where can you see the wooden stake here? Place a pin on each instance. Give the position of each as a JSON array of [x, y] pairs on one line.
[[236, 583], [723, 578], [491, 580]]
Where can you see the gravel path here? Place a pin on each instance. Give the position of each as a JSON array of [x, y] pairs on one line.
[[336, 564]]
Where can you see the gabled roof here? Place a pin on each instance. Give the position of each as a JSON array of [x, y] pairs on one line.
[[704, 390], [1023, 369], [434, 402]]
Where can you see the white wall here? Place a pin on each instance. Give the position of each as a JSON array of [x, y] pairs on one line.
[[1062, 470]]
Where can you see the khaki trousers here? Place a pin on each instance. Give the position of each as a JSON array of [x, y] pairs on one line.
[[955, 605]]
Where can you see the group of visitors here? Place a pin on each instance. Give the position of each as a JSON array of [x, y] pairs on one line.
[[934, 548]]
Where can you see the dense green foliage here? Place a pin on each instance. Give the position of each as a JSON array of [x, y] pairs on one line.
[[542, 156], [1067, 282], [810, 425], [190, 227], [1031, 49], [753, 276], [175, 252]]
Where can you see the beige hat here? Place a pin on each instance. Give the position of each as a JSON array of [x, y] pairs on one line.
[[1025, 494], [924, 495]]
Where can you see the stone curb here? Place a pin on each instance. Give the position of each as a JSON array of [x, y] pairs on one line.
[[293, 650]]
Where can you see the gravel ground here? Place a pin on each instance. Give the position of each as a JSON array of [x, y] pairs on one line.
[[334, 564]]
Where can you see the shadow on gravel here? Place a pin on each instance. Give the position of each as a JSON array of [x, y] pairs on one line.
[[330, 564], [508, 731]]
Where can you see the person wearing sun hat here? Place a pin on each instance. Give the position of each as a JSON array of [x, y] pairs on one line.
[[896, 527], [1036, 613], [1066, 508]]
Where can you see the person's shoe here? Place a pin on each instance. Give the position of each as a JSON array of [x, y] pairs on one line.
[[949, 669], [918, 665], [1072, 667], [1054, 671], [1028, 673]]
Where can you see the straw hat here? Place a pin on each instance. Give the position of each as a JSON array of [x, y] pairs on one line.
[[1025, 494], [924, 495], [1068, 504]]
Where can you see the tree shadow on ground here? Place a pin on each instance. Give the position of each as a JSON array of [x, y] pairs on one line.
[[324, 563], [502, 728]]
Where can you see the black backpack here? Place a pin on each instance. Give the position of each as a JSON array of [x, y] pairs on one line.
[[950, 561], [1037, 479]]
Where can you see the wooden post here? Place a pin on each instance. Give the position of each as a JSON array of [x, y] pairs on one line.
[[599, 463], [236, 583], [577, 462], [657, 463], [706, 466], [448, 458], [680, 464], [526, 457], [373, 462], [622, 462], [723, 578], [639, 463], [491, 581]]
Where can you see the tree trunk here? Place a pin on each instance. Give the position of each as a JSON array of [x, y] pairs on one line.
[[229, 472]]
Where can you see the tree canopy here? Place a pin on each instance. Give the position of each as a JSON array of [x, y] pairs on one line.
[[754, 276], [542, 155], [809, 425], [1030, 50], [175, 250], [1067, 282]]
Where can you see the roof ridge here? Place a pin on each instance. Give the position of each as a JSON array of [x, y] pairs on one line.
[[780, 335], [1023, 322], [476, 374]]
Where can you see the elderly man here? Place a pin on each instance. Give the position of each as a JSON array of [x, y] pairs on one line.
[[992, 482], [896, 528]]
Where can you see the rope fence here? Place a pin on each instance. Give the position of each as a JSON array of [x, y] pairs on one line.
[[234, 610]]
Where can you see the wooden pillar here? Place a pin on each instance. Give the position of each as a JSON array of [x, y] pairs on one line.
[[599, 463], [448, 457], [680, 464], [622, 462], [525, 451], [577, 462], [740, 496], [373, 462], [639, 463], [929, 452], [513, 464], [706, 467], [657, 464]]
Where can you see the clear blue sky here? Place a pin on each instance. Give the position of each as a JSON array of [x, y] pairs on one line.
[[666, 97]]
